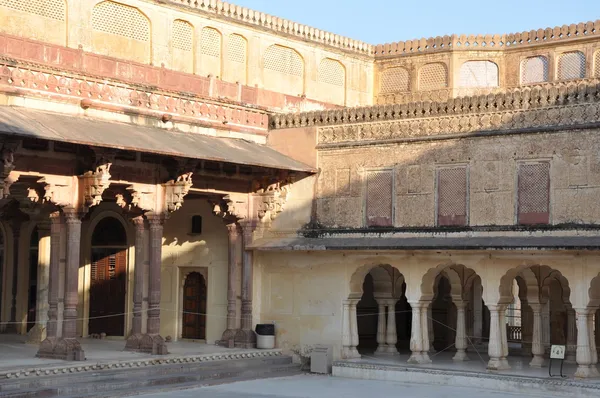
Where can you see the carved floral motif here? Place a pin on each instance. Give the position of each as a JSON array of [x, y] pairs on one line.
[[175, 191], [95, 183]]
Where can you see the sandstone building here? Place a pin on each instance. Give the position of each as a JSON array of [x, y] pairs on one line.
[[192, 168]]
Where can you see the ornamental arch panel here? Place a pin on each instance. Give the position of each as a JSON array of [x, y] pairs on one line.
[[210, 51], [332, 81], [474, 74], [393, 80], [121, 31], [35, 19], [597, 63], [433, 76], [535, 70], [283, 70], [571, 65], [237, 59], [182, 46]]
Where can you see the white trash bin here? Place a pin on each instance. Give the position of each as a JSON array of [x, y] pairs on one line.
[[265, 342]]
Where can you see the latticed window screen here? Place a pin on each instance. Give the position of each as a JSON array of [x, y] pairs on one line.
[[237, 48], [54, 9], [433, 77], [283, 60], [210, 43], [394, 80], [534, 193], [332, 72], [597, 64], [379, 198], [183, 35], [122, 20], [534, 70], [478, 74], [452, 196], [571, 65]]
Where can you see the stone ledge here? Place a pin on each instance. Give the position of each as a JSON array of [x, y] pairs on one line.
[[508, 383], [133, 363]]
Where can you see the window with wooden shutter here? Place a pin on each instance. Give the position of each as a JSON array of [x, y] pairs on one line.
[[379, 198], [533, 205], [452, 188]]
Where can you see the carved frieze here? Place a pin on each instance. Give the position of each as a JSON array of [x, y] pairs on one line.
[[143, 196], [58, 190], [7, 176], [270, 201], [232, 207]]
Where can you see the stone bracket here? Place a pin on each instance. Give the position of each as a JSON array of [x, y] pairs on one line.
[[175, 191], [94, 183]]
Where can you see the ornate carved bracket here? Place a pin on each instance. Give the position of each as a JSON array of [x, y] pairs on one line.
[[270, 202], [142, 196], [94, 183], [58, 191], [175, 191], [7, 178], [232, 207]]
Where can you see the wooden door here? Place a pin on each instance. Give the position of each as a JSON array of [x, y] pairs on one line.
[[194, 307], [107, 291]]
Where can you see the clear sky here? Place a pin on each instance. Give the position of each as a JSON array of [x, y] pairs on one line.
[[383, 21]]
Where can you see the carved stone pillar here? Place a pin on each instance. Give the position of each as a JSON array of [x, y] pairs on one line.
[[597, 328], [430, 333], [346, 331], [526, 328], [571, 336], [37, 334], [381, 327], [504, 336], [425, 326], [47, 346], [134, 341], [12, 325], [152, 341], [594, 353], [228, 337], [391, 336], [545, 326], [68, 347], [246, 338], [584, 353], [477, 311], [461, 335], [419, 338], [354, 339], [537, 348], [495, 348]]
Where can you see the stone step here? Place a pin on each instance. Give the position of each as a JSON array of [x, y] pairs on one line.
[[118, 382]]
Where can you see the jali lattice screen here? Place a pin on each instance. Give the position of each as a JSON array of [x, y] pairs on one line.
[[452, 196], [534, 193], [379, 198]]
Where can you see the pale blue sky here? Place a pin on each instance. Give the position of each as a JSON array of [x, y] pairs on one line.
[[381, 21]]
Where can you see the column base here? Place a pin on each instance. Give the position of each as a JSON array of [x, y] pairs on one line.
[[36, 335], [585, 372], [537, 361], [245, 338], [148, 343], [498, 364], [461, 355], [227, 339], [419, 358], [391, 350], [65, 349]]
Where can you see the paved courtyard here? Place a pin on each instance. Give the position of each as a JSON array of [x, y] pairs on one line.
[[312, 386]]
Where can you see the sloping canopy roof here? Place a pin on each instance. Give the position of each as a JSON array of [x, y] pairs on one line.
[[79, 130]]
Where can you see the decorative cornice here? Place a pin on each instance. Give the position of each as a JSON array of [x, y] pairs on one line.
[[278, 25], [489, 42]]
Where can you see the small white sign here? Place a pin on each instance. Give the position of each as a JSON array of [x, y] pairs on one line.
[[557, 352]]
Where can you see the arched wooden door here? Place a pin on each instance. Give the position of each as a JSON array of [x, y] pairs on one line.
[[194, 307], [108, 278]]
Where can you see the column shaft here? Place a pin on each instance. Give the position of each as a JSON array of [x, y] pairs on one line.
[[495, 347], [381, 327], [537, 348], [391, 335], [584, 354], [134, 341], [346, 330], [461, 335], [228, 337], [246, 338], [571, 335], [71, 274], [354, 329], [594, 353], [38, 333], [16, 228]]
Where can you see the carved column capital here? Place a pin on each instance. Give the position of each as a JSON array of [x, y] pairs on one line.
[[72, 215], [139, 223], [155, 220]]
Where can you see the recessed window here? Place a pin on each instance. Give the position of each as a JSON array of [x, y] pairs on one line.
[[196, 225]]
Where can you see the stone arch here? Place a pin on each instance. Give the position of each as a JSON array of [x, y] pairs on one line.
[[532, 281], [571, 65], [35, 19], [457, 274], [121, 31], [237, 57], [433, 76], [535, 69], [183, 46], [358, 277], [332, 80], [594, 292], [211, 48], [478, 73]]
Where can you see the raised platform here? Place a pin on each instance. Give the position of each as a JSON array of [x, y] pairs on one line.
[[18, 360], [443, 371]]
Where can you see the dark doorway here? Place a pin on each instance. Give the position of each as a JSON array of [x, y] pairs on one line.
[[33, 274], [108, 278], [194, 307]]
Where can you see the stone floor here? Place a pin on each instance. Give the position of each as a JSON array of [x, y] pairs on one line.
[[313, 386], [477, 363], [15, 354]]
